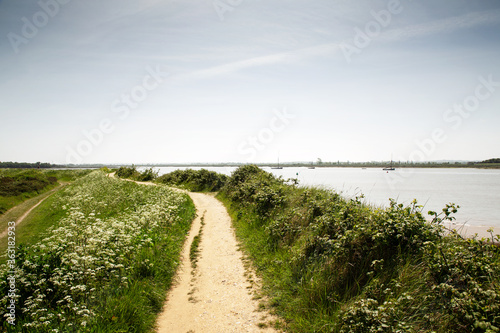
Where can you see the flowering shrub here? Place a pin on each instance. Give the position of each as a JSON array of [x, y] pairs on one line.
[[114, 236]]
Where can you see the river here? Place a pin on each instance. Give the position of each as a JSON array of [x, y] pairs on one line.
[[477, 191]]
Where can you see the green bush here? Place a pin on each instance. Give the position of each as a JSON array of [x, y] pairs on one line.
[[127, 172], [134, 174], [105, 169], [194, 180], [147, 175]]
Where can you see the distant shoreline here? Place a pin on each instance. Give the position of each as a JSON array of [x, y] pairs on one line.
[[469, 231], [381, 165], [371, 165]]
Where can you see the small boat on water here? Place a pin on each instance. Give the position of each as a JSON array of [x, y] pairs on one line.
[[389, 168], [277, 167]]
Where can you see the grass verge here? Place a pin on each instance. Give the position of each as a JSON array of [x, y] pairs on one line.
[[104, 265]]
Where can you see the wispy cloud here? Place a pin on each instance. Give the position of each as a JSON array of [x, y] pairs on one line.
[[447, 25], [272, 59]]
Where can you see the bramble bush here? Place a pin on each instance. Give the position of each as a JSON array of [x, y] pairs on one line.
[[331, 264]]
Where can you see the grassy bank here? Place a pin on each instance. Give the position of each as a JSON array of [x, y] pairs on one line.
[[335, 265], [18, 185], [105, 264]]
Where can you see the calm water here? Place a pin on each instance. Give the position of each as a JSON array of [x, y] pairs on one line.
[[476, 191]]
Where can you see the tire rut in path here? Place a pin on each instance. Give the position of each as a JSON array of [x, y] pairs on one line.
[[216, 296]]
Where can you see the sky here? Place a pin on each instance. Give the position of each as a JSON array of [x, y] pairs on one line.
[[185, 81]]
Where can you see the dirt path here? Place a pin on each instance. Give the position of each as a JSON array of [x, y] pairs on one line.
[[18, 209], [216, 296]]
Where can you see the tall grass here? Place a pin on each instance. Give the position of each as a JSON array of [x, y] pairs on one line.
[[106, 264], [331, 264]]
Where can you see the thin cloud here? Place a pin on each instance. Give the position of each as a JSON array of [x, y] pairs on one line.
[[447, 25], [272, 59]]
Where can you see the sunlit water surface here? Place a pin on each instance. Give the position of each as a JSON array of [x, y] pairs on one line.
[[477, 191]]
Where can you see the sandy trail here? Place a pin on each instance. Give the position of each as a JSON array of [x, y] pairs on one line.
[[216, 296]]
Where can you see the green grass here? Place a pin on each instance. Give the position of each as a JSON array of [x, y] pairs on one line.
[[67, 175], [330, 264], [194, 250]]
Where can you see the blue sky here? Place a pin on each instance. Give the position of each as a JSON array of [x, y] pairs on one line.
[[155, 81]]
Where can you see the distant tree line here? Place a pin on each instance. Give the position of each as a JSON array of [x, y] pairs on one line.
[[24, 165], [492, 160]]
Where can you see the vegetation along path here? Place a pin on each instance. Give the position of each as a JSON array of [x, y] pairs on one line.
[[214, 292]]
